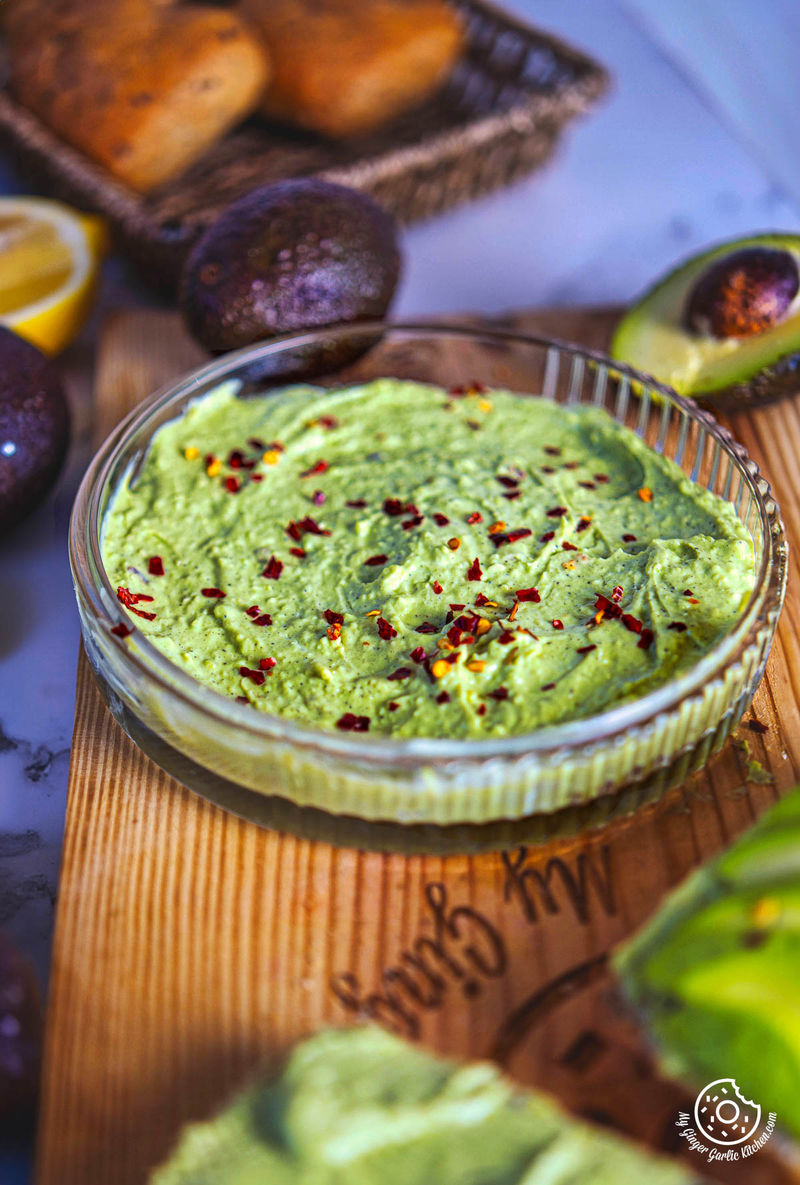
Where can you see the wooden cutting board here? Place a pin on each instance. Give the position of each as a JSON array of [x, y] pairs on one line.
[[190, 945]]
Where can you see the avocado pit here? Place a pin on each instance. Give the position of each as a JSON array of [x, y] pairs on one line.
[[743, 294]]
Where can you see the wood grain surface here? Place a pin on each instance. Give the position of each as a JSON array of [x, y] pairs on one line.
[[191, 945]]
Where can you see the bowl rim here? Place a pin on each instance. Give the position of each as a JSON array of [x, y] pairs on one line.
[[94, 589]]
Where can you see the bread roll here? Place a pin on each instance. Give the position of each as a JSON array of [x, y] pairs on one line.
[[141, 86], [345, 67]]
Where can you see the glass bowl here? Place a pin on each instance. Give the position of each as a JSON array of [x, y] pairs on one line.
[[234, 754]]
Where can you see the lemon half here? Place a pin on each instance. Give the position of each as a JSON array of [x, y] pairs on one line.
[[50, 258]]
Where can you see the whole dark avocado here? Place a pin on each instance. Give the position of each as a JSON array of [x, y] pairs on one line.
[[291, 256], [724, 326], [34, 428]]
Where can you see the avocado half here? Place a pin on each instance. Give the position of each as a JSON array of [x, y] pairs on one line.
[[724, 326], [716, 973]]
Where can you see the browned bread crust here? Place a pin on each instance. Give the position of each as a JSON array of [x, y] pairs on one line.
[[142, 86], [345, 67]]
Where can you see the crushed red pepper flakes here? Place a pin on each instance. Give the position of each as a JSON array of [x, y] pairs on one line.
[[385, 629], [756, 726], [213, 592], [557, 625], [499, 693], [514, 494], [628, 538], [646, 494], [242, 699], [121, 630], [437, 588], [262, 619], [256, 444], [375, 561], [552, 451], [474, 571], [273, 569], [603, 478], [457, 606], [408, 524], [400, 673], [514, 611], [155, 565], [393, 507], [481, 711], [454, 543], [586, 649], [232, 485], [497, 527], [319, 497], [528, 594], [567, 546], [548, 535], [328, 422], [334, 631], [307, 525], [570, 465], [514, 536], [299, 552], [257, 677], [584, 522], [333, 618], [418, 654], [442, 520], [427, 627], [393, 705], [587, 485], [475, 517], [356, 503], [349, 722], [687, 592], [617, 594], [510, 483], [443, 697], [548, 469], [557, 512], [548, 686], [678, 626], [266, 664], [128, 598], [506, 637], [318, 467], [257, 477], [482, 600], [646, 639]]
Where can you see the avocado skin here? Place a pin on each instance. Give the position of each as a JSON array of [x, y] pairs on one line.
[[290, 256], [34, 421], [758, 384]]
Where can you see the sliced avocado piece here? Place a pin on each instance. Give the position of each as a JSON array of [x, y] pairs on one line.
[[724, 326], [362, 1107], [716, 973]]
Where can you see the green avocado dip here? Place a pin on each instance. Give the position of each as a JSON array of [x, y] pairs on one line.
[[407, 561], [362, 1107]]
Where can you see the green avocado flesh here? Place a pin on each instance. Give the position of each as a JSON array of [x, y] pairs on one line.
[[716, 973], [362, 1107], [384, 504], [651, 336]]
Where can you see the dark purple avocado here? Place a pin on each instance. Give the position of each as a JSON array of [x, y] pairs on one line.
[[294, 255], [34, 428]]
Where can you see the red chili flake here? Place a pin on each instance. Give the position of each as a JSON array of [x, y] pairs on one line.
[[617, 594], [333, 618], [548, 686], [319, 498], [441, 520], [443, 697], [253, 611], [510, 483], [584, 522], [587, 485], [628, 538], [293, 530], [586, 649], [513, 495], [385, 629], [499, 693], [418, 654], [548, 469], [328, 422], [528, 594], [242, 699], [257, 477], [394, 507], [557, 512], [121, 630], [209, 459], [756, 726], [514, 611], [678, 626], [551, 451], [567, 546], [235, 459], [128, 598], [356, 503], [511, 536], [213, 592], [687, 592], [248, 673], [297, 551], [375, 561], [457, 606], [349, 722], [334, 631], [475, 517], [482, 599], [311, 526], [256, 444], [400, 673], [602, 477], [437, 588], [319, 467], [273, 569], [646, 640], [266, 664], [262, 619], [481, 711], [557, 625], [155, 565], [474, 571], [506, 637], [232, 485], [632, 623], [393, 706], [570, 465], [548, 535], [409, 523], [427, 627]]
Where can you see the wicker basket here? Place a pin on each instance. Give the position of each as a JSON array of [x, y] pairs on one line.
[[496, 119]]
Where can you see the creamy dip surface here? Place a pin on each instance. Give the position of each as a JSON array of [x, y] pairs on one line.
[[396, 559]]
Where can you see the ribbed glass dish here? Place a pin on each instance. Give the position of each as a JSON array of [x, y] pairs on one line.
[[235, 755]]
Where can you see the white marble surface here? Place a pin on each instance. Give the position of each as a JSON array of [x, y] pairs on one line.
[[651, 174]]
